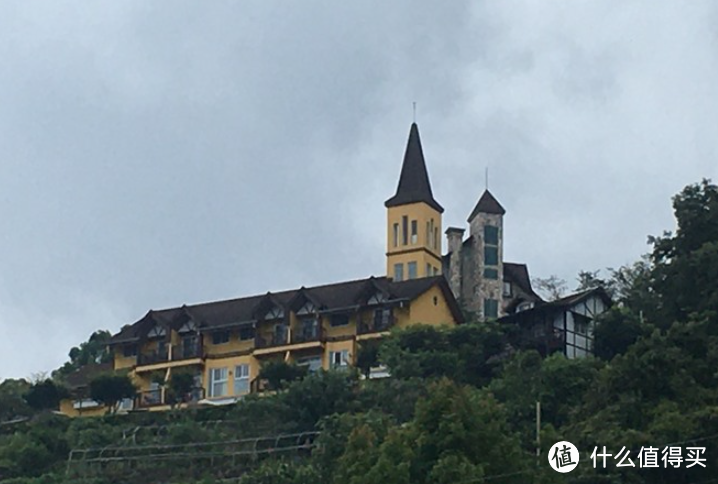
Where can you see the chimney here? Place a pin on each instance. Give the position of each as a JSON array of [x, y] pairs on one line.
[[454, 236]]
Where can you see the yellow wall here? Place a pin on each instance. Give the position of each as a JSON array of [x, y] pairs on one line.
[[66, 407], [337, 331], [420, 252], [122, 361], [230, 364], [423, 310], [233, 345]]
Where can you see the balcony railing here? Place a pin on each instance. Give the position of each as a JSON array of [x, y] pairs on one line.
[[154, 398], [376, 325], [150, 357], [186, 351], [305, 335], [274, 340], [150, 398]]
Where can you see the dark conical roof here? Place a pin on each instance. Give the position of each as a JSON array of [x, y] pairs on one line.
[[414, 183], [487, 204]]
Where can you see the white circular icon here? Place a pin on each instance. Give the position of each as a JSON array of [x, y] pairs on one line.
[[563, 456]]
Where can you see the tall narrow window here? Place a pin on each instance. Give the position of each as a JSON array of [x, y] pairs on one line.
[[428, 270], [396, 235], [218, 382], [399, 272], [491, 235], [241, 379], [428, 234], [414, 232], [436, 238], [411, 266], [491, 308], [404, 230]]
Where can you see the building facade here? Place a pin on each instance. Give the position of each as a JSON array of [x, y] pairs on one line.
[[224, 344]]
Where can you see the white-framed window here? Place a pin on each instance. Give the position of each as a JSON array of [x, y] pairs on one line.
[[339, 359], [126, 404], [218, 382], [507, 289], [241, 379], [313, 363]]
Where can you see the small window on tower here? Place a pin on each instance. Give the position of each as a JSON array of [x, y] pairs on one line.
[[507, 289], [436, 238], [404, 230], [414, 232], [428, 270], [398, 272], [491, 235], [412, 270], [396, 235], [491, 256], [491, 308], [491, 273]]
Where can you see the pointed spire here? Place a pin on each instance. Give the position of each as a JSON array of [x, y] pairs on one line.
[[414, 183], [487, 204]]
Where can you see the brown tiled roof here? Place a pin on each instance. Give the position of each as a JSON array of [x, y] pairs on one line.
[[487, 204], [342, 295], [81, 377], [414, 185]]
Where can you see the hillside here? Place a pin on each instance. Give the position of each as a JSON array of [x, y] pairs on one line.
[[460, 406]]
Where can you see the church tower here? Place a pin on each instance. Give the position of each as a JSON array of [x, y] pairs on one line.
[[413, 219]]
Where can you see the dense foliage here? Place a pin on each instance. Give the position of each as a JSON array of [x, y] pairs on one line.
[[460, 406]]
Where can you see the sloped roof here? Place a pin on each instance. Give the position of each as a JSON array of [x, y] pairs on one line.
[[414, 185], [327, 297], [519, 275], [487, 204], [82, 376]]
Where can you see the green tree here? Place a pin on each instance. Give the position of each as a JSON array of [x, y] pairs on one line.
[[94, 350], [111, 389], [179, 388], [45, 395], [12, 403], [279, 373], [686, 263]]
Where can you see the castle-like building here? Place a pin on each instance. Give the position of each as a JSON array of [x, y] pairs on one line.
[[483, 284], [224, 344]]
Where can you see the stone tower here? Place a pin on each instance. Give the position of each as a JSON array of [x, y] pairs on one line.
[[486, 227], [413, 219]]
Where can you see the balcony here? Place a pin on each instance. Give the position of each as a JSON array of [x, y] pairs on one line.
[[152, 357], [159, 397], [275, 340], [381, 323], [187, 350], [307, 335]]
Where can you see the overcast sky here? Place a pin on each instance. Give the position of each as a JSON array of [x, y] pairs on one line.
[[160, 153]]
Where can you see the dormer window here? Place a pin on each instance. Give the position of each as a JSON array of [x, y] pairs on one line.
[[308, 308], [507, 289], [377, 298], [275, 313], [157, 332], [188, 327]]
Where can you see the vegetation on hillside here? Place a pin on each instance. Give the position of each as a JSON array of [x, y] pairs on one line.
[[459, 408]]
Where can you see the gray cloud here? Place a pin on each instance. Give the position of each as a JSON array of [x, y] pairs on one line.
[[152, 156]]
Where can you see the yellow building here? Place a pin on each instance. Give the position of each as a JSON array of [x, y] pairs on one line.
[[224, 344]]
